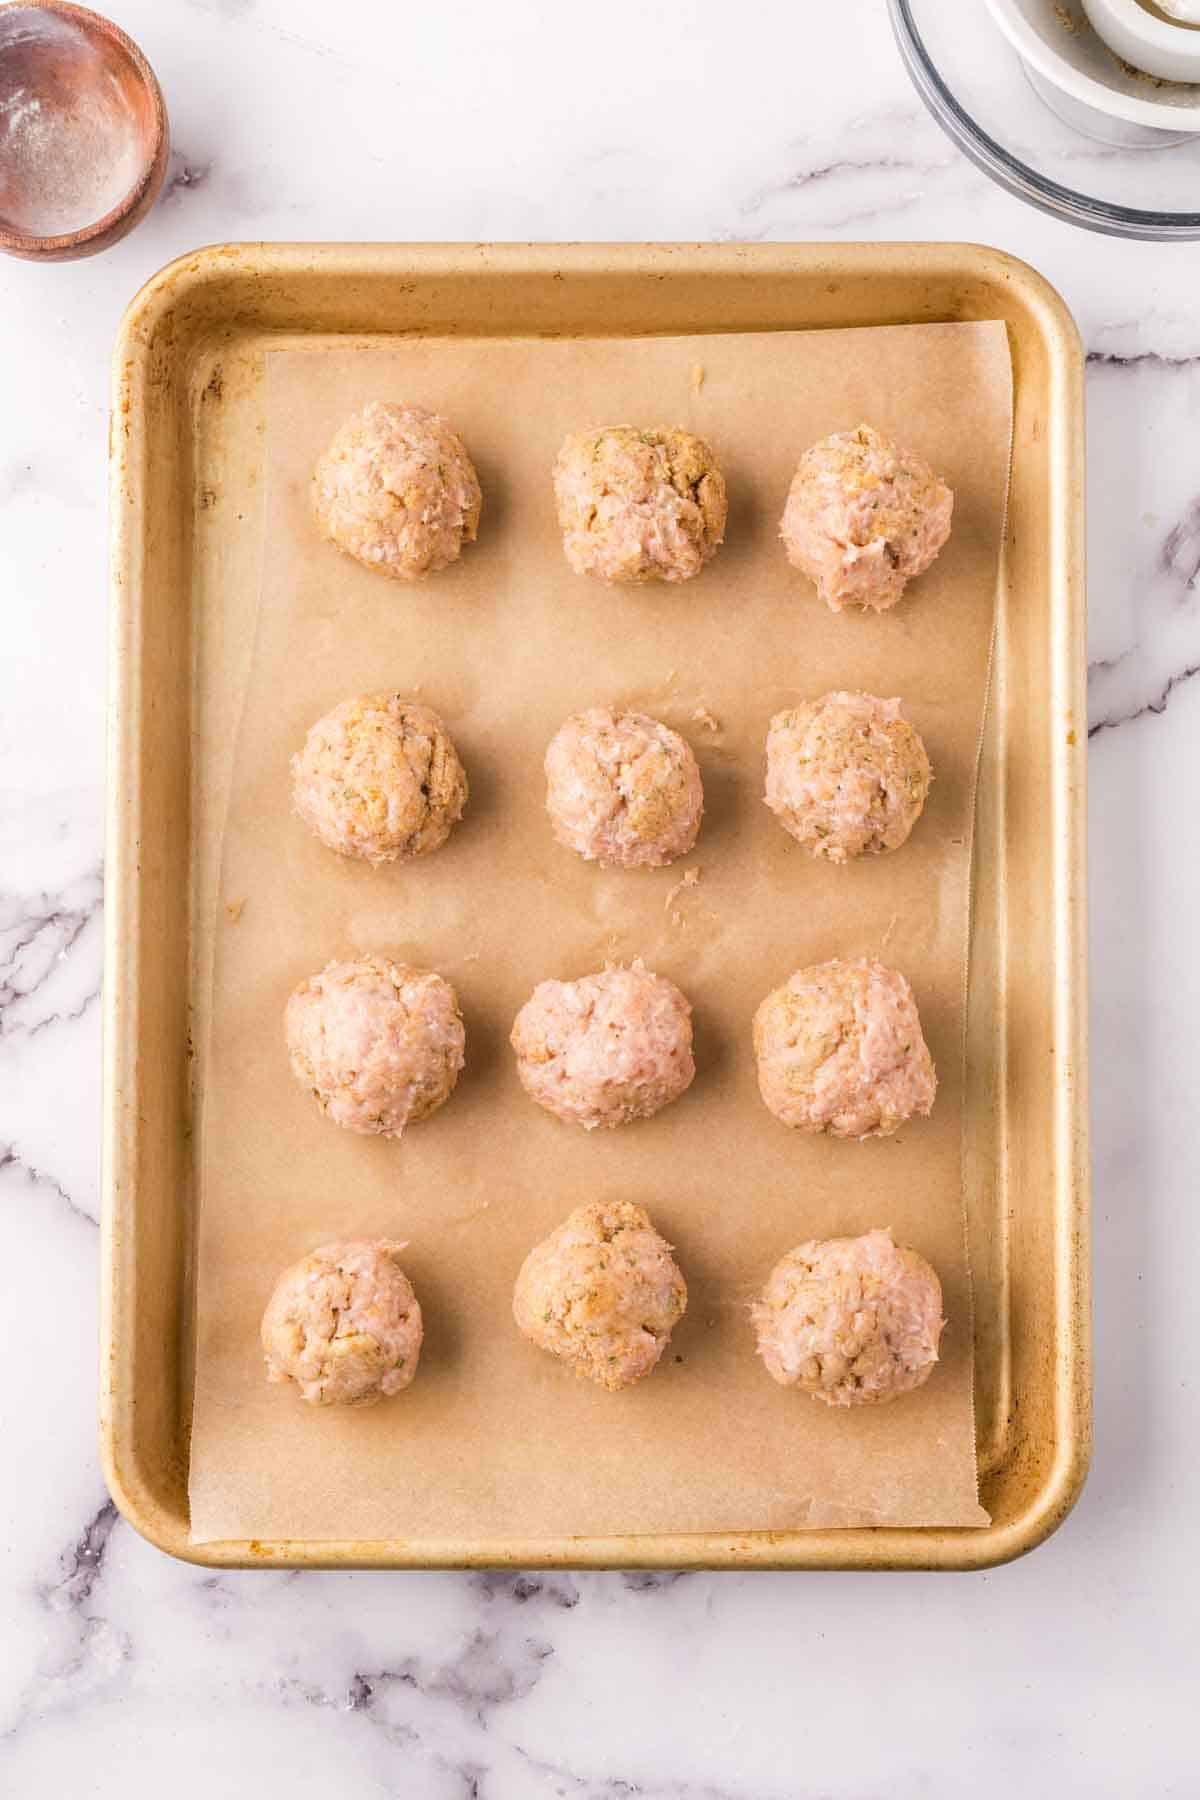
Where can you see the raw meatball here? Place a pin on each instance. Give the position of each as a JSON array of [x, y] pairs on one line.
[[603, 1292], [862, 518], [621, 788], [397, 490], [606, 1049], [639, 505], [379, 778], [379, 1044], [846, 775], [344, 1324], [840, 1049], [851, 1321]]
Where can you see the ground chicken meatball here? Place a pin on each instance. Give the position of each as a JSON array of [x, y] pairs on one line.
[[379, 778], [846, 775], [397, 490], [603, 1292], [606, 1049], [862, 518], [639, 505], [621, 788], [344, 1324], [851, 1321], [380, 1044], [840, 1049]]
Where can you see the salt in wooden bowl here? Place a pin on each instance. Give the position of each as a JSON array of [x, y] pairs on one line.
[[83, 132]]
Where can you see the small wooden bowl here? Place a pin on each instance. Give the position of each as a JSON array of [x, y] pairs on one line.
[[83, 132]]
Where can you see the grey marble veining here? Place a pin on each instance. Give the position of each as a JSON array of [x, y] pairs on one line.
[[125, 1674]]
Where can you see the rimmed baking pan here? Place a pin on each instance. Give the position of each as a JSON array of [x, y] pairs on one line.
[[186, 428]]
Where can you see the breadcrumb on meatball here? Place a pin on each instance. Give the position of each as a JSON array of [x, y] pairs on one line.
[[379, 778], [605, 1049], [639, 505], [852, 1321], [380, 1044], [622, 788], [343, 1324], [863, 518], [840, 1049], [397, 491], [603, 1292], [846, 775]]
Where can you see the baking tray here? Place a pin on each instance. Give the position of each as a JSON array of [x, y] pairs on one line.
[[187, 422]]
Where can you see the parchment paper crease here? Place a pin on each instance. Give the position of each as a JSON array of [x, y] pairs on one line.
[[494, 1438]]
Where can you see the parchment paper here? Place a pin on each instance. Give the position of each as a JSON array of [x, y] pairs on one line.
[[495, 1437]]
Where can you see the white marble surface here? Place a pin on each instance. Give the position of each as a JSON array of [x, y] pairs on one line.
[[122, 1673]]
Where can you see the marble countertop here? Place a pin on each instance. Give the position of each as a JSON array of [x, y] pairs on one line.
[[123, 1673]]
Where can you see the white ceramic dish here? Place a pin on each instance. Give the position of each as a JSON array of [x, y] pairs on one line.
[[1135, 181], [1085, 82], [1168, 48]]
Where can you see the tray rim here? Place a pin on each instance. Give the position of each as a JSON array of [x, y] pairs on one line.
[[148, 322]]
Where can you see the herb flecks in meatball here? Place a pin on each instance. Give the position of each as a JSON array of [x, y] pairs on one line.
[[606, 1049], [623, 789], [863, 518], [379, 1044], [397, 491], [638, 506], [603, 1292], [847, 775], [343, 1325], [840, 1049], [379, 778], [851, 1321]]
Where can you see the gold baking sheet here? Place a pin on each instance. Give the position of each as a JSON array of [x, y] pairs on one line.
[[190, 411]]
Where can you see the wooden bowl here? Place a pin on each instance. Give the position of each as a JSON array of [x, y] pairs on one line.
[[83, 132]]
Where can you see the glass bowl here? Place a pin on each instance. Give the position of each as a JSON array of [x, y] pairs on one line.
[[1039, 124]]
